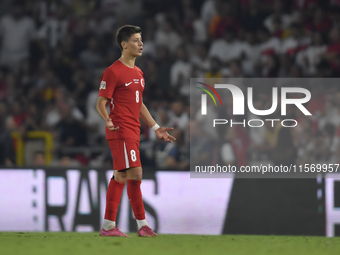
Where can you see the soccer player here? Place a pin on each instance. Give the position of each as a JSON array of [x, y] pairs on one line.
[[122, 84]]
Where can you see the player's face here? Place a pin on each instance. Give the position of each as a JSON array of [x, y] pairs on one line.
[[135, 45]]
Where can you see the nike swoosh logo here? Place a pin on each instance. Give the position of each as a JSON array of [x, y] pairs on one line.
[[127, 84]]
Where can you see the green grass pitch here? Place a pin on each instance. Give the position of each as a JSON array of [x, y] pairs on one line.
[[17, 243]]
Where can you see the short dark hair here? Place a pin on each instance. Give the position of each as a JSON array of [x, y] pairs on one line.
[[125, 32]]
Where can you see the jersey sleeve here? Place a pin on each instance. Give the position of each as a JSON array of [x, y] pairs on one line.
[[108, 84]]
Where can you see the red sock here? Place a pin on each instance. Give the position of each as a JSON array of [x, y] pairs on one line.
[[113, 195], [136, 200]]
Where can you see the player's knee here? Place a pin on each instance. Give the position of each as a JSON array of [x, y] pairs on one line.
[[120, 177], [135, 174], [136, 177]]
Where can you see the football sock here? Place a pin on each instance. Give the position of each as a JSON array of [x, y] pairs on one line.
[[141, 223], [136, 200], [108, 224], [113, 195]]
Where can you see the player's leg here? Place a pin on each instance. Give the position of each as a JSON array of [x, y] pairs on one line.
[[115, 189], [134, 180], [113, 196]]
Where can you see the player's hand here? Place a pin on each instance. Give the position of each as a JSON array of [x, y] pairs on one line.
[[110, 125], [164, 135]]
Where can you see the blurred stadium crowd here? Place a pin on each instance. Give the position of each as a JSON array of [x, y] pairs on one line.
[[52, 54]]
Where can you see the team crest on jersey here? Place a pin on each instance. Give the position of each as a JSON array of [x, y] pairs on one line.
[[102, 85]]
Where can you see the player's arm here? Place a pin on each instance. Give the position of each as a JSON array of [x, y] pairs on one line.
[[106, 89], [101, 109], [161, 132]]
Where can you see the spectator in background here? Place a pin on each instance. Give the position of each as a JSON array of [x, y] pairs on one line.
[[101, 22], [181, 72], [163, 76], [90, 57], [62, 66], [81, 88], [167, 36], [323, 145], [256, 135], [54, 114], [54, 28], [96, 132], [278, 30], [71, 132], [325, 70], [269, 62], [162, 154], [296, 42], [188, 42], [70, 50], [250, 55], [205, 121], [317, 103], [191, 21], [82, 8], [304, 5], [333, 50], [130, 10], [33, 120], [239, 140], [19, 116], [268, 45], [304, 140], [253, 16], [225, 19], [149, 45], [311, 57], [284, 152], [162, 118], [334, 15], [3, 111], [16, 31], [82, 34], [208, 11], [270, 137], [319, 22], [8, 86], [200, 61], [215, 71], [67, 161], [235, 70], [327, 114], [178, 117], [278, 12], [199, 145], [295, 71], [47, 86], [229, 45], [227, 153], [38, 159], [176, 157], [3, 86], [7, 153]]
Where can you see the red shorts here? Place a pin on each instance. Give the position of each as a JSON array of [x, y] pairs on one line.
[[125, 153]]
